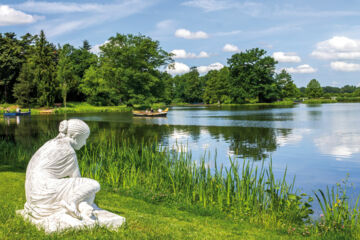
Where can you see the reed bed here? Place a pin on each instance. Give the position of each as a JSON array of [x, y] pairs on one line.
[[243, 189]]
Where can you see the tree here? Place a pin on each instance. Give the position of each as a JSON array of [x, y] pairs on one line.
[[332, 90], [356, 93], [82, 59], [217, 86], [348, 89], [45, 60], [25, 89], [129, 65], [193, 87], [12, 55], [252, 76], [313, 89], [287, 87], [65, 73], [96, 88]]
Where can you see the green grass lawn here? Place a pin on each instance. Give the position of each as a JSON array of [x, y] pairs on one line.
[[144, 220]]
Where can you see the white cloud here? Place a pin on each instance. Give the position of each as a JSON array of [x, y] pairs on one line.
[[71, 16], [177, 68], [10, 16], [249, 8], [208, 5], [305, 68], [344, 66], [286, 57], [181, 53], [230, 48], [58, 7], [214, 66], [338, 47], [184, 33], [165, 24], [96, 49]]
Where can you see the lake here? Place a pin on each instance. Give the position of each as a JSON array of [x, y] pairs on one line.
[[320, 144]]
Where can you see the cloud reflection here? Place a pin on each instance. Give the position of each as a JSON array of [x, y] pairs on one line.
[[339, 144]]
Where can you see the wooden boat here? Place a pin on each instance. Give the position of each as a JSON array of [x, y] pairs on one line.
[[46, 111], [150, 114], [13, 114]]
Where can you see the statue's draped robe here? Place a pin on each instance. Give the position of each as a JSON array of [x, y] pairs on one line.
[[52, 176], [52, 179]]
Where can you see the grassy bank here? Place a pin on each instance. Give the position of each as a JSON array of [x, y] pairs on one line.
[[72, 107], [145, 220], [253, 103], [337, 100], [245, 202]]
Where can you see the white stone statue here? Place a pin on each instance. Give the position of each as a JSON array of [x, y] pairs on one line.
[[57, 197]]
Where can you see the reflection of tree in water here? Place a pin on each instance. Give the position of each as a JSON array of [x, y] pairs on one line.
[[247, 142]]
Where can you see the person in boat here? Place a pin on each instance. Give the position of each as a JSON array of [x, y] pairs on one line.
[[151, 110], [160, 110]]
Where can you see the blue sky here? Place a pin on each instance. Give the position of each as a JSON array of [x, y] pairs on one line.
[[311, 39]]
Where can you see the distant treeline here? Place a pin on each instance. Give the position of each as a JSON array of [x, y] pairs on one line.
[[35, 72]]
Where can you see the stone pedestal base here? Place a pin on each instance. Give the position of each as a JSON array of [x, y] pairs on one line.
[[62, 221]]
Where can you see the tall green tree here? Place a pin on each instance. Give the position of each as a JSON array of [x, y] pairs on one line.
[[45, 60], [129, 65], [25, 90], [217, 86], [193, 87], [252, 76], [287, 86], [13, 53], [313, 89], [65, 73], [82, 59]]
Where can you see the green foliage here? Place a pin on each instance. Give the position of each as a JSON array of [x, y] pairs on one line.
[[193, 86], [25, 90], [356, 93], [65, 71], [313, 89], [45, 60], [97, 90], [287, 87], [252, 76], [129, 65], [217, 86], [13, 53], [338, 214]]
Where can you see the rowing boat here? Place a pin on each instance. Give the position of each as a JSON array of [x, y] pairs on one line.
[[13, 114], [150, 114]]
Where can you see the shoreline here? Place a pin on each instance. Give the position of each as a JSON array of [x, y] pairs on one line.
[[83, 107]]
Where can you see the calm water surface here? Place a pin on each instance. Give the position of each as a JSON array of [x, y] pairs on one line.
[[319, 144]]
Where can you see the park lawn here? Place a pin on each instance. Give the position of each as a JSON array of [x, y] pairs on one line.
[[144, 220]]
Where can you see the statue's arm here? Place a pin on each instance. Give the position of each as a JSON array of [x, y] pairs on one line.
[[76, 170]]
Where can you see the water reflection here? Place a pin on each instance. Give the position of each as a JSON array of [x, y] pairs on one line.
[[307, 139]]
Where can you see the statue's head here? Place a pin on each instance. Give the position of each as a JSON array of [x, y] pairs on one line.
[[75, 129]]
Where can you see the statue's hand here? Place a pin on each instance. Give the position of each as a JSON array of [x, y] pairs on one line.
[[72, 209]]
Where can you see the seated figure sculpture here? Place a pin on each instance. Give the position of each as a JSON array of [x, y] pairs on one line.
[[57, 197]]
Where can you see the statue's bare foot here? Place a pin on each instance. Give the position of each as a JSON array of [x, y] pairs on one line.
[[86, 211], [72, 210]]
